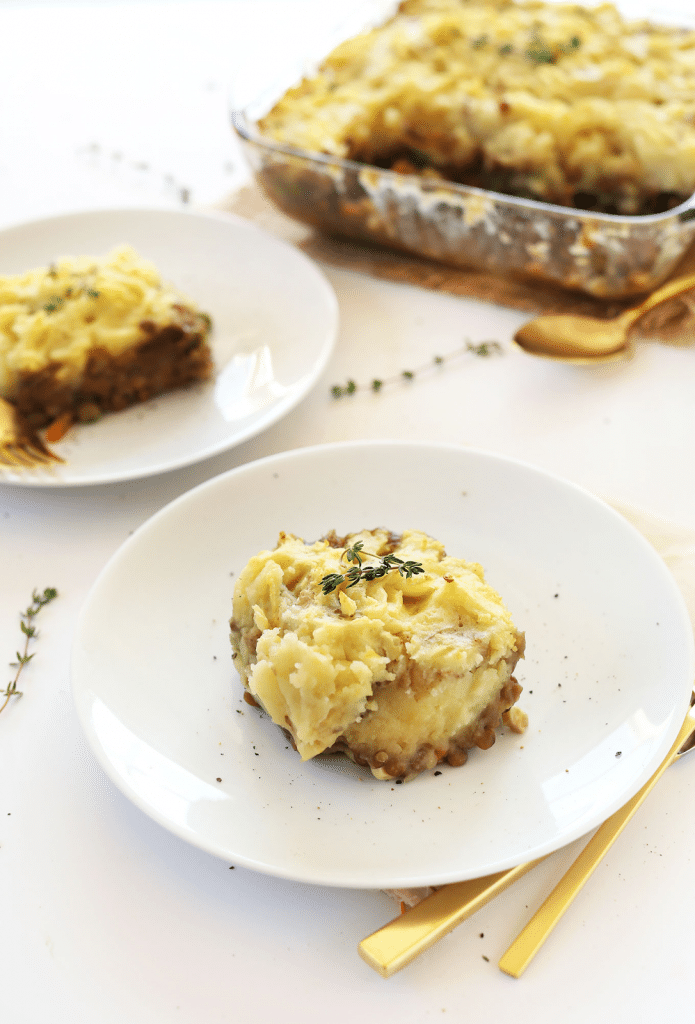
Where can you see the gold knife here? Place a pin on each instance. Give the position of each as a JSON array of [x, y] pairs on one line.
[[401, 940]]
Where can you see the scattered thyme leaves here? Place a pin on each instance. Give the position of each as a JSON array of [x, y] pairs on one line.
[[26, 620], [540, 52], [358, 571], [350, 387]]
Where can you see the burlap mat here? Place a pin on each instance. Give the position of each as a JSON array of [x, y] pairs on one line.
[[673, 322], [676, 545]]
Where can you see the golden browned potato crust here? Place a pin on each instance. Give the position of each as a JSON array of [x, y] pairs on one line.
[[567, 104]]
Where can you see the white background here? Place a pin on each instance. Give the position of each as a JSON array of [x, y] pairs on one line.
[[108, 919]]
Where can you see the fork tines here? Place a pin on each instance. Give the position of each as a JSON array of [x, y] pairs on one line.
[[26, 455], [20, 446]]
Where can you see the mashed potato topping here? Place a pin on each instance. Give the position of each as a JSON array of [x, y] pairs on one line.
[[60, 313], [563, 103], [398, 673]]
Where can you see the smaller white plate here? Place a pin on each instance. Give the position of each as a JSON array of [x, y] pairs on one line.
[[275, 320], [607, 674]]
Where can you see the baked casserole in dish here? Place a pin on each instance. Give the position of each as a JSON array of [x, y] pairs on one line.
[[549, 141]]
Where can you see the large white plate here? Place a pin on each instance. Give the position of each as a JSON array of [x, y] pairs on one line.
[[275, 322], [607, 675]]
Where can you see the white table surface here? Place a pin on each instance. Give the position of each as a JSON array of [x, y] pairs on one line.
[[105, 917]]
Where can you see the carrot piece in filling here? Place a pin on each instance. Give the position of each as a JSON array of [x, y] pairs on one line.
[[59, 428]]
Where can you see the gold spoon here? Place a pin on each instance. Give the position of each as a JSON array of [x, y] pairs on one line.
[[586, 339]]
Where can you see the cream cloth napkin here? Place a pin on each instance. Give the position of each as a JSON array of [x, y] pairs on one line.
[[676, 545]]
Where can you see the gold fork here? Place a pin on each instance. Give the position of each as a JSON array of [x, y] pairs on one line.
[[20, 446], [531, 938], [397, 943]]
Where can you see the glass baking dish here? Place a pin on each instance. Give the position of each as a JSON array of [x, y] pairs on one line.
[[606, 255]]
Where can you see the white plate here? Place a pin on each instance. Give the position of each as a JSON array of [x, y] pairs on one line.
[[607, 675], [275, 322]]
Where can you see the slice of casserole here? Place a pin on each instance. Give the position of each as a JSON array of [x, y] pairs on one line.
[[397, 672], [91, 335]]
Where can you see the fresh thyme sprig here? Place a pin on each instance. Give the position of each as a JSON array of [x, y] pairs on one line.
[[29, 630], [116, 162], [388, 563], [351, 387]]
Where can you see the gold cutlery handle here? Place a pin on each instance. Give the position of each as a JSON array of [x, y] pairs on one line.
[[400, 941], [667, 291], [529, 941]]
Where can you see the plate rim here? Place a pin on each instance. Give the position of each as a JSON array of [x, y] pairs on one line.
[[358, 881], [278, 411]]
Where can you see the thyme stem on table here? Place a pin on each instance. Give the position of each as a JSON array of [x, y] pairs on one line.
[[357, 572], [29, 630], [350, 387]]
